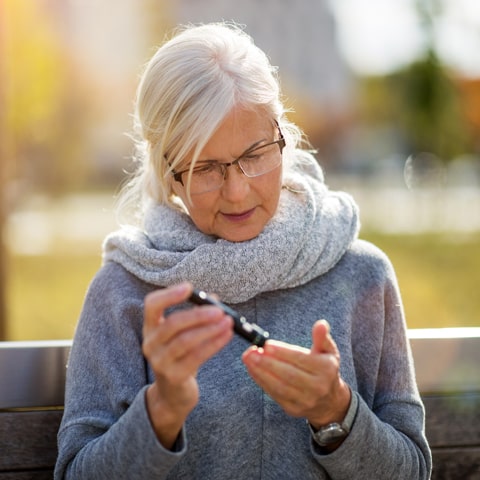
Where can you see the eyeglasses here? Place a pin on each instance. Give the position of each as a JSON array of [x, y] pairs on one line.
[[209, 175]]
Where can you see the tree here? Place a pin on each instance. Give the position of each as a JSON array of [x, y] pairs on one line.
[[428, 105], [41, 122], [423, 101]]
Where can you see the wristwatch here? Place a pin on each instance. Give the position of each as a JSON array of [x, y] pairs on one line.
[[334, 432]]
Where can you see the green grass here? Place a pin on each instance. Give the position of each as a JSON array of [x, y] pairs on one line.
[[439, 277], [45, 294]]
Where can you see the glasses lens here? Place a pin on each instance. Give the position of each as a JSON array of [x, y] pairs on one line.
[[261, 160], [210, 176], [205, 178]]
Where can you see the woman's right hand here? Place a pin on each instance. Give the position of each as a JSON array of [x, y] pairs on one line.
[[175, 347]]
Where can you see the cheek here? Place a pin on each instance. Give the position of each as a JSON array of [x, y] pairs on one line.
[[200, 210], [202, 213], [177, 190], [272, 189]]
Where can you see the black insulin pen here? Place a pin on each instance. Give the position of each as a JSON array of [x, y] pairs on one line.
[[249, 331]]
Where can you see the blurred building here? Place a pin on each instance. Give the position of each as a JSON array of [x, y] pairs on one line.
[[298, 36]]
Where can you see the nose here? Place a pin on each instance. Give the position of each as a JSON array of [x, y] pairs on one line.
[[235, 184]]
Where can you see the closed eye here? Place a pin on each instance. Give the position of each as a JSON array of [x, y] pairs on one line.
[[258, 152], [205, 167], [252, 156]]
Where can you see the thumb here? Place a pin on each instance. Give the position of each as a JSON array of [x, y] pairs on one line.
[[321, 338]]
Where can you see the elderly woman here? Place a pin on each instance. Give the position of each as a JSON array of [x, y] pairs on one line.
[[225, 200]]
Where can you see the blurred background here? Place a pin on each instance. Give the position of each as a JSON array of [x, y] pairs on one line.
[[388, 92]]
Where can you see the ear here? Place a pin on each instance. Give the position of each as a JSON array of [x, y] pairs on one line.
[[175, 188]]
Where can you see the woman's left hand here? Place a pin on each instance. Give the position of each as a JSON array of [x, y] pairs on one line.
[[305, 383]]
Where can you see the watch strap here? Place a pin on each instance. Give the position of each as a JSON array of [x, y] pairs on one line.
[[351, 413], [341, 430]]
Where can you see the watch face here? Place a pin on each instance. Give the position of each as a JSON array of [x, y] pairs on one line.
[[330, 434]]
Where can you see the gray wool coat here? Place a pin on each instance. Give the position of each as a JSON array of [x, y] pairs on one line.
[[237, 431]]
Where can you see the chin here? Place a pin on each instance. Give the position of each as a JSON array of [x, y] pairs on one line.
[[237, 237]]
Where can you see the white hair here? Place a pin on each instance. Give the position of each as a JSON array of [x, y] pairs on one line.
[[189, 86]]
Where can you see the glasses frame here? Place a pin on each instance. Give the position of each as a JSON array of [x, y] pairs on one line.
[[177, 176]]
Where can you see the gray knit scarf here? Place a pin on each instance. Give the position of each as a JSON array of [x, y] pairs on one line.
[[311, 230]]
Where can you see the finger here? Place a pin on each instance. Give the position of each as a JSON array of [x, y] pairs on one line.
[[291, 390], [180, 332], [294, 355], [269, 371], [192, 357], [195, 336], [157, 302], [296, 367], [321, 338], [297, 391], [185, 320]]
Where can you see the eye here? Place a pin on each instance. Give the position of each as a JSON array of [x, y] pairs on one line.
[[257, 154], [252, 156], [205, 169]]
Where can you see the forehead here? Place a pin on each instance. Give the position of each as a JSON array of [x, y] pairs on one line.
[[240, 130]]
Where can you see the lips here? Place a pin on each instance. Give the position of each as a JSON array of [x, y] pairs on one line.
[[239, 217]]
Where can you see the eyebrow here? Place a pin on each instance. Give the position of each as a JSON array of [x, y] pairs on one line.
[[252, 147]]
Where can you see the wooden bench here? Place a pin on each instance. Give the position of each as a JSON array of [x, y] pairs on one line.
[[32, 378], [32, 381], [447, 364]]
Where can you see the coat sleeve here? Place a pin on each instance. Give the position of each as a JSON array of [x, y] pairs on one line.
[[387, 440], [105, 431]]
